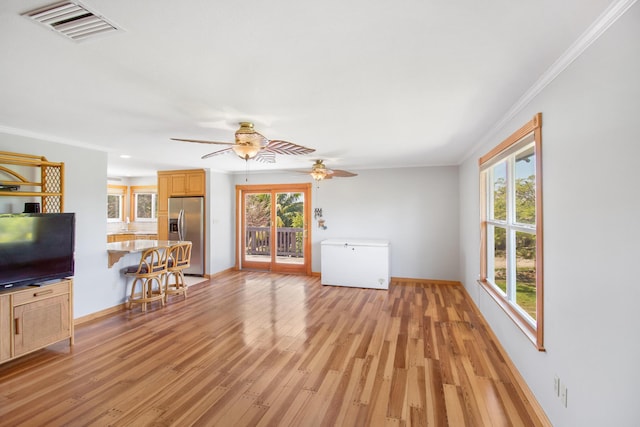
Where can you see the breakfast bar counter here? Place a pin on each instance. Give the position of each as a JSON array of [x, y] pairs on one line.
[[117, 250]]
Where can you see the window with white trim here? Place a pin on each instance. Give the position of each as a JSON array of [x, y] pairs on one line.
[[511, 227], [115, 203], [144, 203]]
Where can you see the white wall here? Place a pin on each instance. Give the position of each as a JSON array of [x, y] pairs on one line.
[[416, 209], [591, 236], [221, 220]]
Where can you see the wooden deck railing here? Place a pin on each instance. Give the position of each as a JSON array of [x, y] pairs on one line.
[[289, 241]]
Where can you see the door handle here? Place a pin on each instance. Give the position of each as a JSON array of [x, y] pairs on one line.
[[17, 327]]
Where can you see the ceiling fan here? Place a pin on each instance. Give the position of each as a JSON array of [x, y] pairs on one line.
[[319, 172], [252, 145]]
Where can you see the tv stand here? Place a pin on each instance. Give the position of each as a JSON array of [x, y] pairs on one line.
[[32, 318]]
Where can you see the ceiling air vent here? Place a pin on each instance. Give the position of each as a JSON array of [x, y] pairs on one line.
[[72, 20]]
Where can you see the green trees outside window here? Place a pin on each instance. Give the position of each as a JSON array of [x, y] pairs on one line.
[[514, 207], [114, 207], [289, 208], [146, 206]]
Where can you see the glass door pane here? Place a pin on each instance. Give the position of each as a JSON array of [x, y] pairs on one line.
[[290, 230], [257, 228]]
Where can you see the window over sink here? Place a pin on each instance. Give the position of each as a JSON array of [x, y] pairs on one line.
[[115, 203], [144, 203]]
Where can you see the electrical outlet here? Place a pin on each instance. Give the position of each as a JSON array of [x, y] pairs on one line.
[[556, 385], [563, 395]]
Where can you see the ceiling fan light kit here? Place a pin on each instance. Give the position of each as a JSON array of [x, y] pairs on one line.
[[318, 175], [246, 152]]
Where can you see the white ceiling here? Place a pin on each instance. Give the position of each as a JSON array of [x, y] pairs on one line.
[[368, 84]]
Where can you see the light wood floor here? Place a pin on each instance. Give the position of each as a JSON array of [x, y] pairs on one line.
[[260, 349]]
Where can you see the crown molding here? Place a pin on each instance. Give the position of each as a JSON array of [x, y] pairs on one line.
[[593, 33]]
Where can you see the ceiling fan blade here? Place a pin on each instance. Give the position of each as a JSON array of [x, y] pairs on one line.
[[216, 153], [265, 157], [200, 141], [285, 147], [342, 174]]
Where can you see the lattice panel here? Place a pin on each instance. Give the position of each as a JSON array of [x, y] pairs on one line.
[[51, 183], [51, 204], [52, 180]]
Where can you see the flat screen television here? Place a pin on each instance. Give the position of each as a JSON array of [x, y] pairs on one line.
[[36, 247]]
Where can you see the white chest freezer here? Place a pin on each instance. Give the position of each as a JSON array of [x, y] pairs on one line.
[[358, 263]]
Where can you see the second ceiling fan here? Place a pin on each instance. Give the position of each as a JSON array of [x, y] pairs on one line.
[[319, 172], [250, 144]]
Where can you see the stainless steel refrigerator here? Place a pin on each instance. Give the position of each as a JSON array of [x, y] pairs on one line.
[[186, 222]]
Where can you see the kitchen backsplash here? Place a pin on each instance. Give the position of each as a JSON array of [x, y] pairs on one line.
[[146, 227]]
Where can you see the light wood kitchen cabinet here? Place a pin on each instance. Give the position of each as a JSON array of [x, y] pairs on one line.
[[146, 237], [188, 183], [164, 189], [163, 226], [164, 181], [34, 317], [176, 183], [123, 237], [119, 237], [179, 183]]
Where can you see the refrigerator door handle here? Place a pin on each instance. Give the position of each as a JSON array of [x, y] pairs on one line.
[[181, 224], [184, 226]]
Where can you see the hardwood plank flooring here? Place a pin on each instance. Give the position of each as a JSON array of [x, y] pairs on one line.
[[261, 349]]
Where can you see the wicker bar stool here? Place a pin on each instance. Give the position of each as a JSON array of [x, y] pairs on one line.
[[178, 260], [151, 270]]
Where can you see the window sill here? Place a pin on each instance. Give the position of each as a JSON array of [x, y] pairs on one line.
[[513, 314]]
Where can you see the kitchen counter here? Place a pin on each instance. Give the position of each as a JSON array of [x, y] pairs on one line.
[[117, 250]]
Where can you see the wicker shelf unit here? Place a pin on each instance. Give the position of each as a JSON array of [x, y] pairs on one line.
[[50, 188]]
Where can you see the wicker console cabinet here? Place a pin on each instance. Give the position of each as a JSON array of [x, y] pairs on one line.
[[34, 317]]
